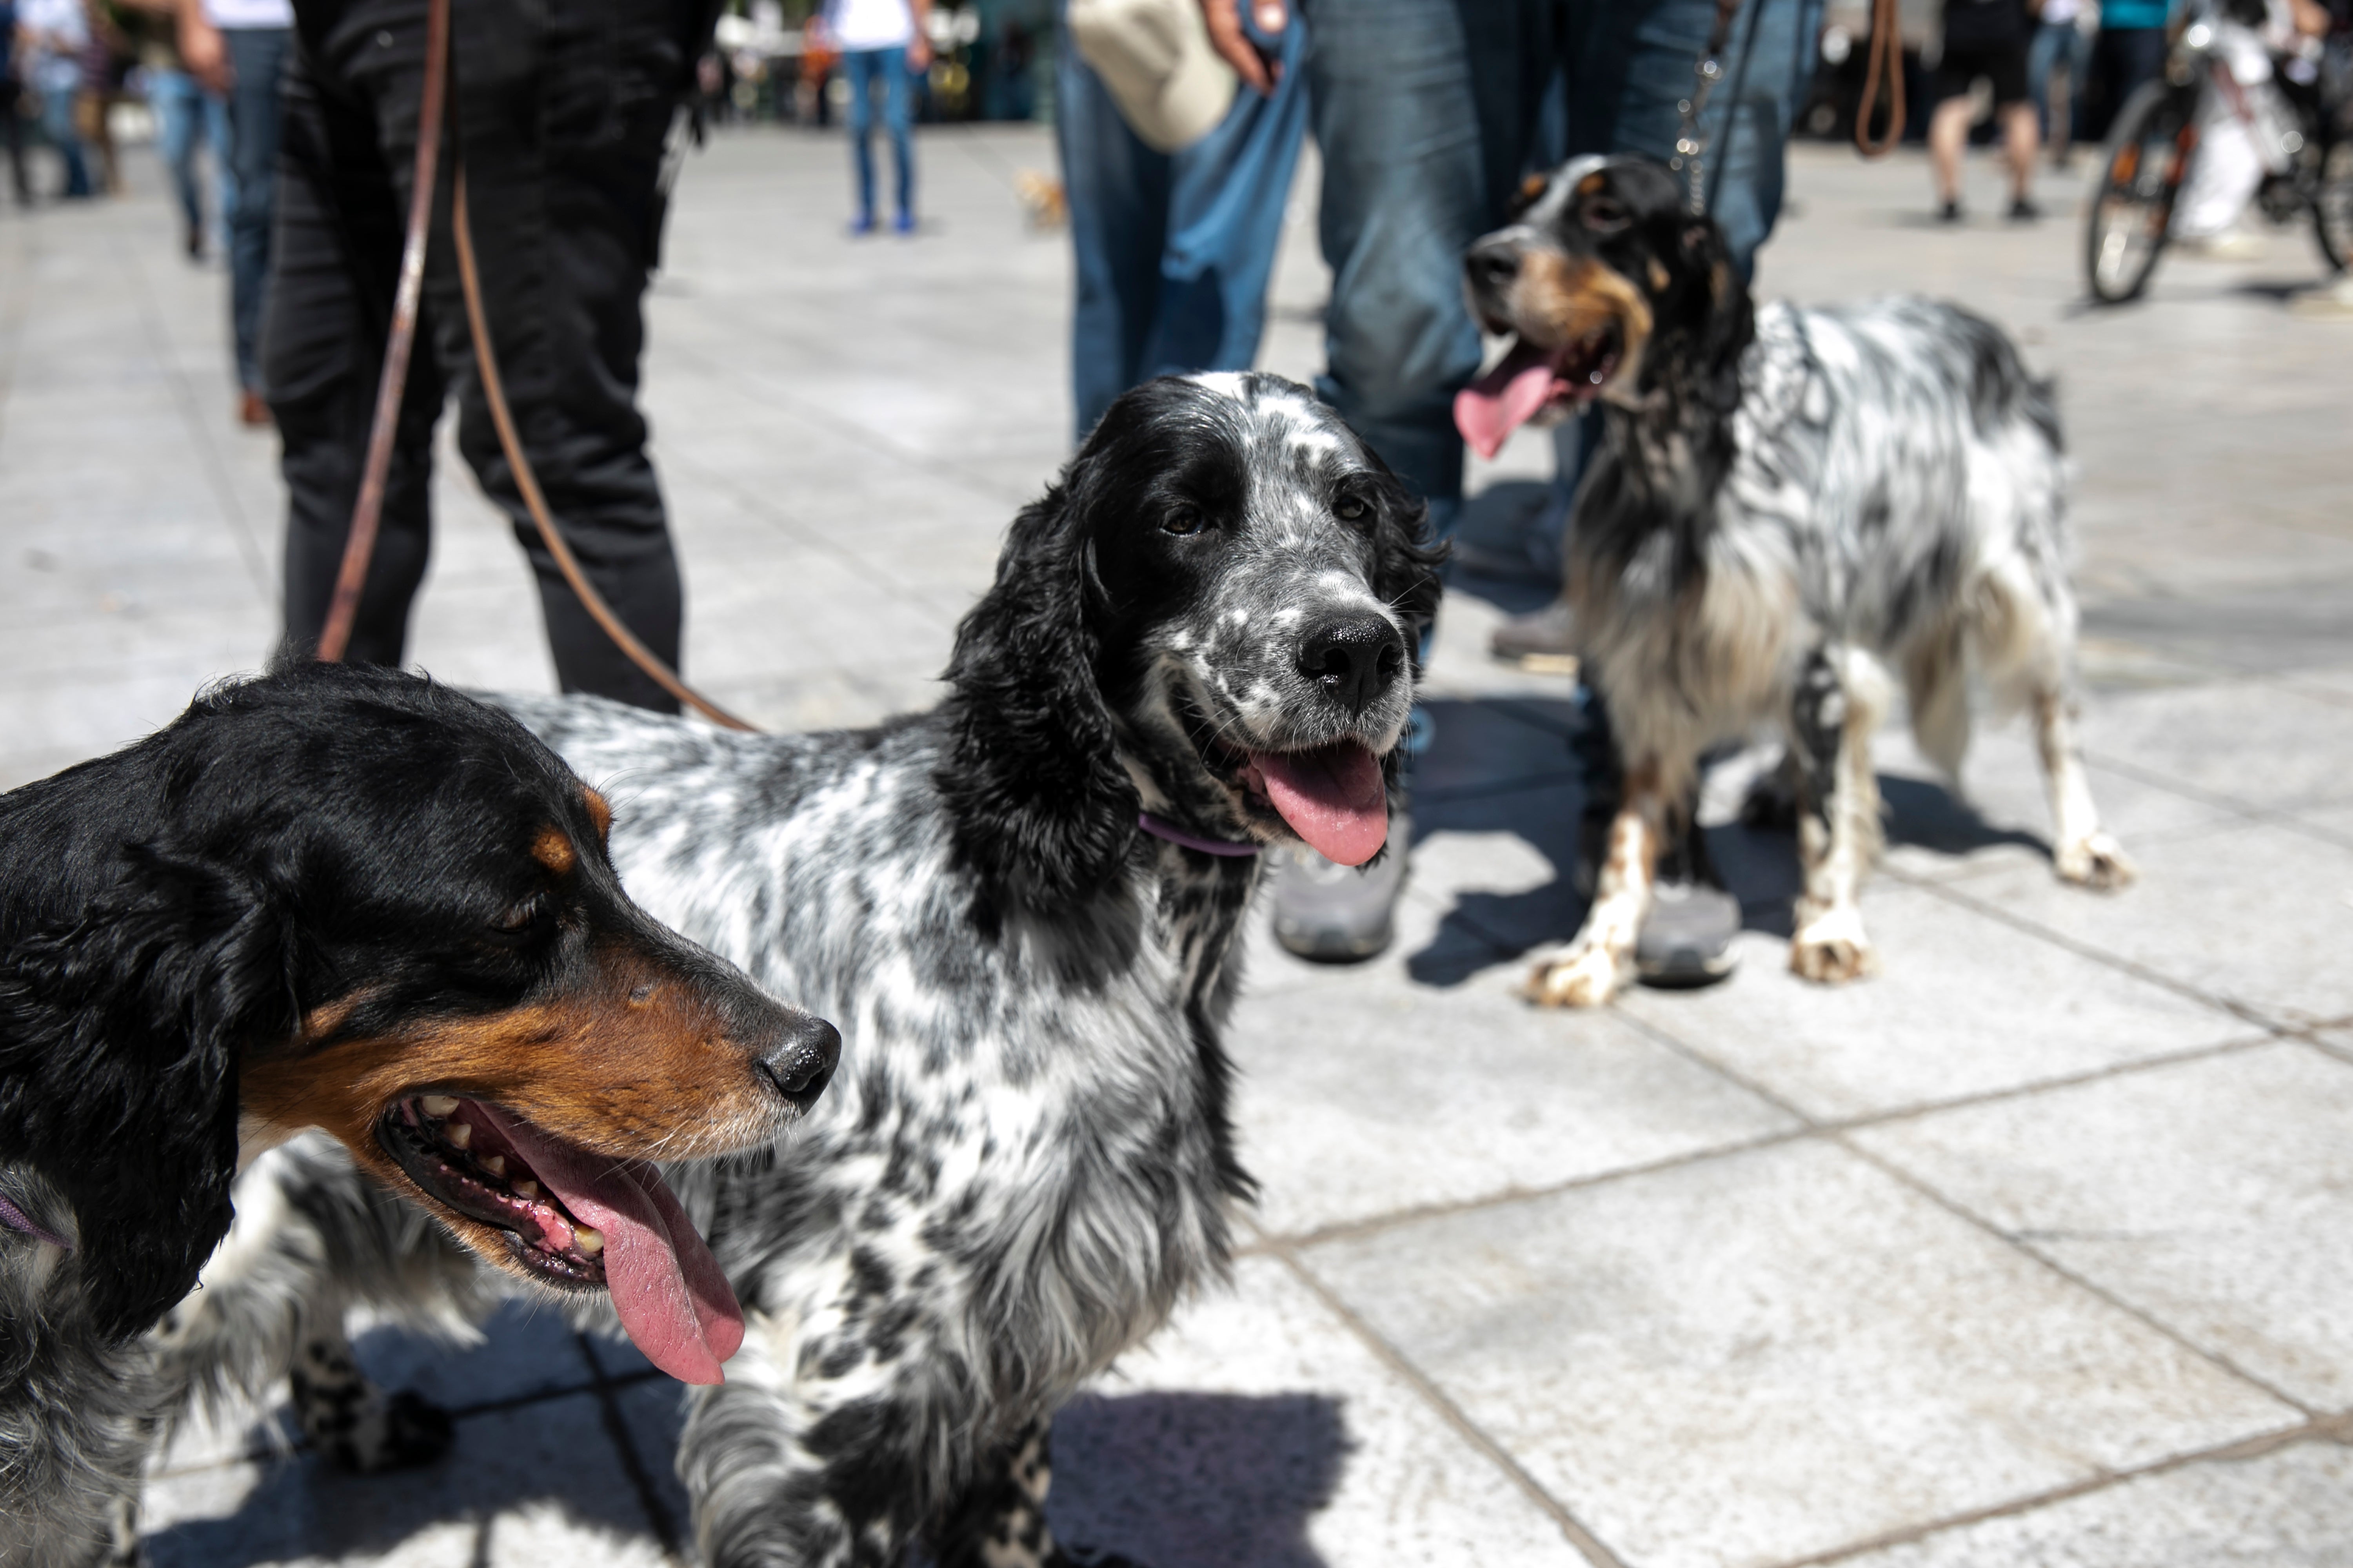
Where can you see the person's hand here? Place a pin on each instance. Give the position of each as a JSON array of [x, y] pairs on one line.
[[919, 53], [1234, 46], [202, 51]]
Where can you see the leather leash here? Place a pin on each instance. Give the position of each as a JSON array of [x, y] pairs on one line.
[[1884, 55], [360, 545]]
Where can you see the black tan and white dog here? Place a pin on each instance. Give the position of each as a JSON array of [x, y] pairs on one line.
[[1021, 908], [1789, 508], [348, 900]]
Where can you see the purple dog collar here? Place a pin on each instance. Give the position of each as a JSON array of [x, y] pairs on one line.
[[15, 1219], [1160, 827]]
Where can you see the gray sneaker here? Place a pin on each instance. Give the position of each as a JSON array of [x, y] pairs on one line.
[[1339, 914], [1686, 939], [1541, 642]]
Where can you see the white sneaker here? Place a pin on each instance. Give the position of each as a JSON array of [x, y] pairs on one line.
[[2231, 245]]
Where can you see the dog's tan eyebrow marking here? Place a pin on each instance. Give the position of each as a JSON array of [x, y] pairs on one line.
[[1592, 183], [1659, 279], [599, 812], [554, 850]]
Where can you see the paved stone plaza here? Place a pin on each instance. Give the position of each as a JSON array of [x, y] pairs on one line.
[[2035, 1251]]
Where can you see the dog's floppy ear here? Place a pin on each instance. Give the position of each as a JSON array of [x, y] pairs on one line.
[[1042, 807], [1405, 558], [119, 1039], [1717, 310]]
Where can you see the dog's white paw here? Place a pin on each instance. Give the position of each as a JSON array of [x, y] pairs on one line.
[[2096, 861], [1581, 977], [1831, 948]]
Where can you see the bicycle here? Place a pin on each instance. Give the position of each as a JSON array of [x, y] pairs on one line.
[[2304, 128]]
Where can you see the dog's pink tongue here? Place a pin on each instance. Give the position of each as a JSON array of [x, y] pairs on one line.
[[1333, 798], [1503, 399], [672, 1295]]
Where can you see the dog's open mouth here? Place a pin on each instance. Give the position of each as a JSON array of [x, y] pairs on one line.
[[1333, 795], [575, 1219], [1529, 380]]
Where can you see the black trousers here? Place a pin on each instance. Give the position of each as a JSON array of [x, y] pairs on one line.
[[561, 113]]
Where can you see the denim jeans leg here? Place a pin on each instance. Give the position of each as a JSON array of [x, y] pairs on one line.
[[1390, 93], [1117, 189], [178, 104], [255, 54], [1645, 61], [1226, 199], [897, 113], [857, 70]]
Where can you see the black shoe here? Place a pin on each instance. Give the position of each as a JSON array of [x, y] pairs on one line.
[[1949, 213], [2024, 211]]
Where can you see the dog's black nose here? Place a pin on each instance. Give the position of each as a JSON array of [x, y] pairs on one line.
[[1355, 657], [800, 1060], [1492, 263]]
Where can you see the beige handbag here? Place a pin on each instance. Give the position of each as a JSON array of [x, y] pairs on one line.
[[1155, 57]]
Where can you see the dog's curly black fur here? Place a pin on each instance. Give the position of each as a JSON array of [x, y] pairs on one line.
[[315, 892], [1027, 1158]]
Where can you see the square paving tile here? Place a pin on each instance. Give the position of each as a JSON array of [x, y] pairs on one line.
[[1256, 1432], [1358, 1102], [2207, 736], [523, 1488], [1963, 1005], [1751, 1359], [2292, 1508], [2207, 1194], [2259, 916]]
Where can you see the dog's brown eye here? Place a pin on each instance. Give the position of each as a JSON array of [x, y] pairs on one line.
[[1183, 521], [1606, 214], [1350, 509]]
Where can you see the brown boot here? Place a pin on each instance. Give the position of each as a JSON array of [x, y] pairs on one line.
[[251, 411]]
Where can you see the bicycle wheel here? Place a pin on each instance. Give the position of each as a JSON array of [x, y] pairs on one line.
[[2132, 206], [2332, 205]]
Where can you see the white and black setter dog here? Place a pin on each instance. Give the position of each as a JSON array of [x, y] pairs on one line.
[[350, 900], [1021, 908], [1789, 508]]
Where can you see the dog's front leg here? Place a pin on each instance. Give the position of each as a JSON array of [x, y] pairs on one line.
[[1590, 972], [1842, 697], [2087, 854], [1000, 1522]]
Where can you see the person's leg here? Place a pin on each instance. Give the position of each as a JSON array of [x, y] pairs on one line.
[[1948, 131], [563, 213], [1224, 205], [1643, 57], [178, 105], [1390, 90], [2041, 60], [60, 82], [1117, 192], [213, 116], [2023, 144], [898, 116], [857, 70], [338, 218], [257, 56]]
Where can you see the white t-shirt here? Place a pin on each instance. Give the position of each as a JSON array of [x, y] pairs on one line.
[[249, 13], [869, 23], [2055, 12]]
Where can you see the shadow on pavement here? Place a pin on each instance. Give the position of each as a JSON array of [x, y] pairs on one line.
[[1197, 1480]]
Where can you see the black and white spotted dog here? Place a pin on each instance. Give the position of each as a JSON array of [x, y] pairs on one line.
[[1789, 507], [1020, 909]]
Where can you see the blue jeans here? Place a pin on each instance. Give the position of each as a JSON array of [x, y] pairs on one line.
[[863, 67], [1395, 100], [185, 115], [57, 79], [2057, 46], [1173, 250], [255, 54]]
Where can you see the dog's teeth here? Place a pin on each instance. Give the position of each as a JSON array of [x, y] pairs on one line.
[[438, 1104], [496, 1164], [460, 1133], [525, 1188], [591, 1242]]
